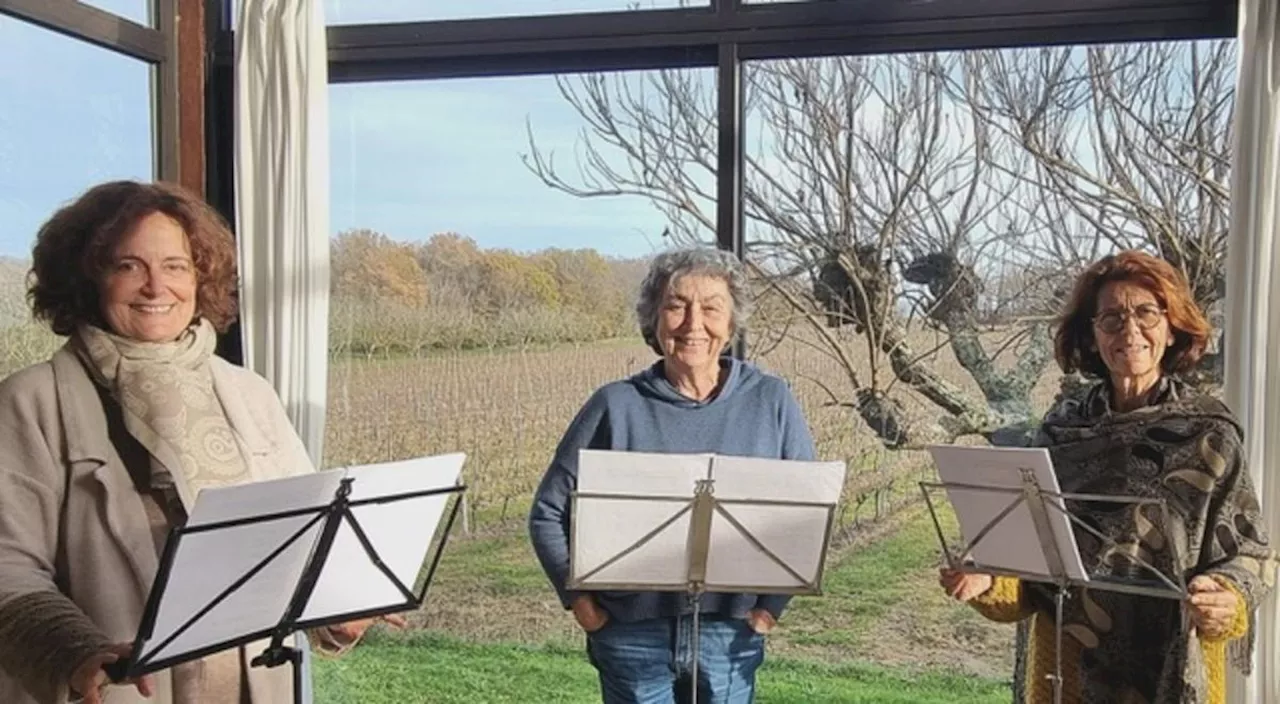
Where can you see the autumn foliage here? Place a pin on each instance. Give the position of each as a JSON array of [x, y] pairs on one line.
[[393, 298]]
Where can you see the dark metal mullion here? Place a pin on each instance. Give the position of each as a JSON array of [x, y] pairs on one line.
[[90, 24], [166, 98], [380, 57], [219, 138], [726, 9], [344, 70], [742, 23], [979, 34], [730, 143], [477, 33]]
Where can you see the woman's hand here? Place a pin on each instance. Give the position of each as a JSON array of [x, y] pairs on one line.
[[964, 586], [761, 621], [352, 631], [1213, 606], [89, 679], [589, 615], [336, 639]]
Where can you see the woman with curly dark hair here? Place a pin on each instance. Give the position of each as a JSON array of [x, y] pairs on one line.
[[1133, 325], [104, 447]]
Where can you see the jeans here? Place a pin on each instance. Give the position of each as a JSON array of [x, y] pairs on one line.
[[651, 662]]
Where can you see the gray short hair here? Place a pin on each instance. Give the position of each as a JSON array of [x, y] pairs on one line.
[[678, 263]]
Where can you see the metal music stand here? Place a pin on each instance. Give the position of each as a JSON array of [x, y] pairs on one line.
[[1023, 483], [268, 559], [695, 524]]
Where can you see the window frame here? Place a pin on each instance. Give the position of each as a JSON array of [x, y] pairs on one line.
[[724, 34], [156, 46]]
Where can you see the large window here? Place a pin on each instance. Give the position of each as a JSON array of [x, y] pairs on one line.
[[911, 220], [74, 116], [920, 218], [914, 221], [477, 302]]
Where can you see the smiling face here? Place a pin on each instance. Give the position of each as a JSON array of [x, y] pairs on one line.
[[1132, 333], [148, 291], [695, 322]]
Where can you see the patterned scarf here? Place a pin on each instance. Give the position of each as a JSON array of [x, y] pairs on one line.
[[166, 393], [1185, 448]]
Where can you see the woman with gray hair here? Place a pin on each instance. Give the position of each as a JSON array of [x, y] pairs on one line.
[[692, 305]]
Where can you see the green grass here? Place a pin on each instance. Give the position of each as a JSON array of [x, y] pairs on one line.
[[502, 565], [862, 586], [433, 669]]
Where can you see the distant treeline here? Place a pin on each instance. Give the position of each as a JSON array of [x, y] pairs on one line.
[[395, 298]]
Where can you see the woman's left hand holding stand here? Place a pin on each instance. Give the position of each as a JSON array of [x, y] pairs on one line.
[[1213, 606], [89, 678]]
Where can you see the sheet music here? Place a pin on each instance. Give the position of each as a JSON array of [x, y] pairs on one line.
[[208, 563], [794, 535], [1012, 544], [401, 531], [605, 528], [782, 506]]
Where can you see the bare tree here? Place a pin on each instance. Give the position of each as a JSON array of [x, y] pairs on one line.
[[954, 192], [1131, 144]]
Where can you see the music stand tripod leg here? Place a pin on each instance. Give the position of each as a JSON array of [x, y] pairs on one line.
[[1058, 600], [295, 660], [1035, 501], [696, 646], [699, 546]]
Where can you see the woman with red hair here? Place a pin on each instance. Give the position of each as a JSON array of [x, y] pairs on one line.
[[1133, 325]]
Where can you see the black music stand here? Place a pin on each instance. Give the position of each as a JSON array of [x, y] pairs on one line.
[[367, 516], [1024, 478]]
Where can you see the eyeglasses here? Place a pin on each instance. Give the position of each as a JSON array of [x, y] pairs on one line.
[[1147, 316]]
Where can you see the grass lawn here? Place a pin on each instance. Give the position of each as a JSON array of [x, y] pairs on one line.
[[428, 668], [882, 633]]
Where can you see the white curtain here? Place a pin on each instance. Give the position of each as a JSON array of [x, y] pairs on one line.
[[282, 203], [1252, 342]]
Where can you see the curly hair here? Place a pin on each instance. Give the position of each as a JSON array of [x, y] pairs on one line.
[[73, 251], [1074, 345], [673, 264]]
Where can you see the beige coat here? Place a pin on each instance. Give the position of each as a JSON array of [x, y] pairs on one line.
[[57, 463]]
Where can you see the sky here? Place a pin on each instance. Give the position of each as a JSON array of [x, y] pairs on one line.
[[409, 159]]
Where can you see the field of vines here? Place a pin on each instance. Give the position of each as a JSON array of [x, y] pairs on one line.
[[508, 408]]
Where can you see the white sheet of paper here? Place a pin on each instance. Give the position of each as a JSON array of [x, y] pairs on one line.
[[1013, 543], [207, 563], [401, 532], [643, 473], [606, 527], [795, 535]]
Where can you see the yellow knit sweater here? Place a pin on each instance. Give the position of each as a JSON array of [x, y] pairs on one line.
[[1003, 603]]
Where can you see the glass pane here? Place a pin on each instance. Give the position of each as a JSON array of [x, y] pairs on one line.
[[77, 116], [478, 300], [462, 247], [921, 218], [365, 12], [139, 11], [463, 261]]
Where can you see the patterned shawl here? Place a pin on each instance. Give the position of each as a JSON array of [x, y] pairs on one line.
[[170, 406], [1182, 447]]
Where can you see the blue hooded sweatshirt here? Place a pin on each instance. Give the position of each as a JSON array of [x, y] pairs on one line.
[[754, 415]]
